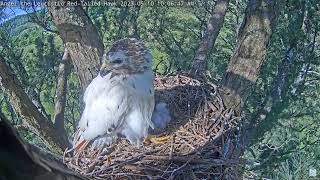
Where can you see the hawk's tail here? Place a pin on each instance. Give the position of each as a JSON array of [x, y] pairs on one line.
[[79, 143]]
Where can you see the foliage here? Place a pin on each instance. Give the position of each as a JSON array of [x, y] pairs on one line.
[[287, 142]]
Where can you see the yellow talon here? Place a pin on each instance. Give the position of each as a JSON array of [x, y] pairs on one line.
[[157, 140]]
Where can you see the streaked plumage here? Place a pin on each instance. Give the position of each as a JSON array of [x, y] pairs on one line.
[[120, 100]]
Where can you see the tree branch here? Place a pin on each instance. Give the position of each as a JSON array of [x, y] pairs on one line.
[[244, 66], [214, 25], [277, 97], [61, 93], [81, 39], [35, 19], [35, 120], [23, 75], [23, 161]]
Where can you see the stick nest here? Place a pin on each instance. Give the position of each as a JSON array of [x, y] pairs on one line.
[[200, 142]]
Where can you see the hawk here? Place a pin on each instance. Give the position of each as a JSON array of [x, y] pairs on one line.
[[120, 100]]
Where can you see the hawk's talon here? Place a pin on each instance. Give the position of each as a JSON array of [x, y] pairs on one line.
[[157, 140]]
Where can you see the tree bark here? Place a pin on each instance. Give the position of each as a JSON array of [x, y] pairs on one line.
[[23, 75], [244, 66], [80, 37], [277, 98], [20, 160], [199, 64], [61, 93], [35, 120]]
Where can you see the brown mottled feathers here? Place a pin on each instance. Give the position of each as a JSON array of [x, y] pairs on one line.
[[135, 50]]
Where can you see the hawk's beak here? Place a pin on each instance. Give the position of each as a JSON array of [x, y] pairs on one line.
[[104, 70]]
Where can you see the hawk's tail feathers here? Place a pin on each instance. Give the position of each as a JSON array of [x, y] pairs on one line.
[[79, 144]]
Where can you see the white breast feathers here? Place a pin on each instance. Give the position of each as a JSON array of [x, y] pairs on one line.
[[117, 105]]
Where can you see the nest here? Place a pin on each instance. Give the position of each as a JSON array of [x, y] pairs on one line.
[[200, 141]]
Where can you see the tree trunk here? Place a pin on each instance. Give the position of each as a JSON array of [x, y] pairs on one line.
[[23, 75], [61, 93], [277, 98], [199, 64], [35, 120], [80, 37], [244, 66], [20, 160]]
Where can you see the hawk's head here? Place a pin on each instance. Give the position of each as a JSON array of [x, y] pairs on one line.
[[126, 56]]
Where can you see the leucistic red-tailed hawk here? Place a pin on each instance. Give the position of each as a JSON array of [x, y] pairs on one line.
[[120, 100]]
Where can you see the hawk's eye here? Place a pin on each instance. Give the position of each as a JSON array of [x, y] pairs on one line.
[[117, 61]]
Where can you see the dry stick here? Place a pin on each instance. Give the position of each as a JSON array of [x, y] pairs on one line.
[[171, 147], [180, 168]]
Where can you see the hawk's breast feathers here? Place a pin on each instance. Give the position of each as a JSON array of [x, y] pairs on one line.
[[120, 100]]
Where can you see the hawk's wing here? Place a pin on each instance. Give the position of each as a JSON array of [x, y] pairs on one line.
[[106, 103], [138, 119], [117, 105], [143, 92]]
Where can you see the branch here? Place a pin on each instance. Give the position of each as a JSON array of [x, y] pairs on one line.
[[61, 93], [277, 98], [214, 25], [23, 75], [35, 19], [23, 161], [245, 63], [35, 120], [177, 43], [81, 38]]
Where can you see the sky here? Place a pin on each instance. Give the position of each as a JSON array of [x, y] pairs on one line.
[[13, 10]]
